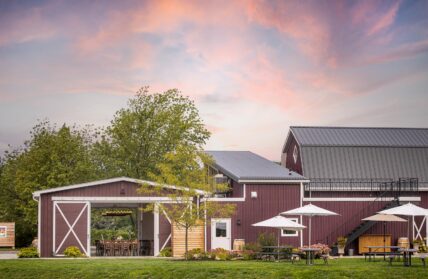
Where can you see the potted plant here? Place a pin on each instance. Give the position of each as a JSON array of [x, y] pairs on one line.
[[417, 243], [341, 243]]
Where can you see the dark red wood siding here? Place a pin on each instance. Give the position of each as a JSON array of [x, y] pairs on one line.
[[287, 159], [117, 189], [271, 200]]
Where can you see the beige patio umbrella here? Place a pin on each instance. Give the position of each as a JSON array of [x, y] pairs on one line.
[[409, 210], [309, 210], [280, 223], [384, 218]]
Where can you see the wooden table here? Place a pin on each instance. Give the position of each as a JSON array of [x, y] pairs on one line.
[[310, 254]]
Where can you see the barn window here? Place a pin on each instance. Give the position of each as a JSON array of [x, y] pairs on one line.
[[295, 154], [290, 233]]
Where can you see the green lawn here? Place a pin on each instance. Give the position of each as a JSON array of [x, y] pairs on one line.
[[160, 268]]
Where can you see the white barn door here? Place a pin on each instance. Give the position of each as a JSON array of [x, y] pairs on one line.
[[71, 223]]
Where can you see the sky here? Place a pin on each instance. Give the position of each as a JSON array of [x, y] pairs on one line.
[[253, 68]]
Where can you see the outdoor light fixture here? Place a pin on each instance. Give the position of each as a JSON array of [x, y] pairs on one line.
[[253, 195], [238, 222]]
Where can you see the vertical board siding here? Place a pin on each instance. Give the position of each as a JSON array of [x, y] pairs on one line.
[[102, 190], [288, 160], [270, 201]]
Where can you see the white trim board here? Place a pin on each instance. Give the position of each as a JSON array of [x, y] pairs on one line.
[[242, 199], [37, 194], [279, 181], [359, 199], [121, 199]]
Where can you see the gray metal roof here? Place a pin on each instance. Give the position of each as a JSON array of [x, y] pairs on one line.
[[365, 162], [358, 136], [245, 165]]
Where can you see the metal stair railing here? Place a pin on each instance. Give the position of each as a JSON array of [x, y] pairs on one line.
[[357, 218]]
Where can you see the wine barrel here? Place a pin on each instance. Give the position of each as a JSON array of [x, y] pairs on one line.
[[403, 242], [238, 244]]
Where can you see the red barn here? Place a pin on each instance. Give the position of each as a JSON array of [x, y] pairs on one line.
[[357, 172]]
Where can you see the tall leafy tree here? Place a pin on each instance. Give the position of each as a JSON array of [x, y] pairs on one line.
[[187, 167], [148, 128], [52, 157]]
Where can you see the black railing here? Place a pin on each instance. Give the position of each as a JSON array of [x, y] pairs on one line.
[[362, 185], [346, 227]]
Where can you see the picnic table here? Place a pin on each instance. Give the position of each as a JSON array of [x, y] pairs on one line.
[[269, 252], [310, 254], [374, 250], [407, 255]]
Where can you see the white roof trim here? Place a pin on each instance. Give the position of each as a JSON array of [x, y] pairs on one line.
[[279, 181], [37, 194]]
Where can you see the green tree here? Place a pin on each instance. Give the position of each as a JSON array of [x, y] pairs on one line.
[[148, 128], [52, 157], [187, 167]]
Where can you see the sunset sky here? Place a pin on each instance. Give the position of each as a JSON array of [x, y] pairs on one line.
[[253, 67]]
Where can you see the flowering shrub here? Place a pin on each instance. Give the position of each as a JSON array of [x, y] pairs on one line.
[[248, 255], [196, 254], [30, 252], [255, 247], [220, 254], [73, 251], [324, 249], [166, 252]]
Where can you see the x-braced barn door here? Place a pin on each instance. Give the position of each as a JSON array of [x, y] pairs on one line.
[[71, 221]]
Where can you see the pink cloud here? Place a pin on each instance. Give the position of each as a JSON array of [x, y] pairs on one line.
[[25, 26], [385, 20]]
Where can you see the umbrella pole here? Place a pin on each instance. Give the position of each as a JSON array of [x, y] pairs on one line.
[[279, 234], [384, 245], [408, 230], [310, 230]]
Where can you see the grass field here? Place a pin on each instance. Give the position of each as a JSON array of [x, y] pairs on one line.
[[160, 268]]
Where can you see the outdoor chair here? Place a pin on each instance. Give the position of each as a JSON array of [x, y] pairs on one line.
[[108, 248], [125, 251], [134, 248], [325, 258], [145, 248], [117, 248]]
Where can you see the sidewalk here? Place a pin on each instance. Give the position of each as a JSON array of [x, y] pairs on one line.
[[8, 255]]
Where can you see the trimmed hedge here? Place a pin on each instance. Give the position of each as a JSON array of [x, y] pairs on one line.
[[73, 252], [29, 252]]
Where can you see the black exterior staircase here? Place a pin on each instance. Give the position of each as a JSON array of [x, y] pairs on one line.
[[366, 225]]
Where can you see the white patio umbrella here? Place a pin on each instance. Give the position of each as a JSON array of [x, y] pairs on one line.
[[384, 218], [280, 223], [408, 209], [309, 210]]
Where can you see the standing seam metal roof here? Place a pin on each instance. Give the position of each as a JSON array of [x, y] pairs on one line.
[[361, 136], [245, 165], [345, 153]]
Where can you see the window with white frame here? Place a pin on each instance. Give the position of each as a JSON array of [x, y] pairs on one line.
[[295, 153], [290, 233]]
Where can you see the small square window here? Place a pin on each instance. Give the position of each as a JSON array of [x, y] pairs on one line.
[[290, 233], [295, 154]]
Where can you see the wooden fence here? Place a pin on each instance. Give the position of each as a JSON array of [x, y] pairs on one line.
[[7, 235]]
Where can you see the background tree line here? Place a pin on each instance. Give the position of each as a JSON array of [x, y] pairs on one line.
[[137, 141]]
